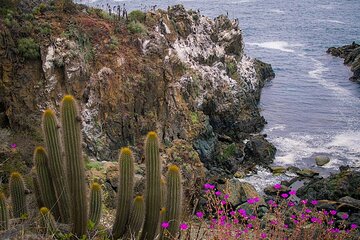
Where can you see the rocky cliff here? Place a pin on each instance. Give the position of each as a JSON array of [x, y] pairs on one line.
[[177, 72], [351, 55]]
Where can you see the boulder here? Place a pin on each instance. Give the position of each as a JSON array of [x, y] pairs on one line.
[[321, 160], [277, 169], [259, 151], [307, 173], [333, 188]]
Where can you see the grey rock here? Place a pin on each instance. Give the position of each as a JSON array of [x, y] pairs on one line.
[[321, 160]]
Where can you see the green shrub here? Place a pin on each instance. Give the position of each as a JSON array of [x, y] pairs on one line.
[[114, 42], [137, 16], [40, 9], [136, 27], [28, 48]]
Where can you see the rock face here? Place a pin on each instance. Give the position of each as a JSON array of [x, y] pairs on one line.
[[345, 183], [322, 160], [187, 78], [351, 55]]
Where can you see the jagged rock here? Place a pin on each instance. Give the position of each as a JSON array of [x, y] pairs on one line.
[[240, 192], [277, 169], [333, 188], [322, 160], [173, 79], [259, 151], [293, 169], [351, 55], [307, 173]]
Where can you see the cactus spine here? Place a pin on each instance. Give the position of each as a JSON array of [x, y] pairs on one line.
[[56, 162], [136, 218], [46, 187], [125, 192], [153, 191], [4, 214], [17, 192], [173, 202], [47, 221], [70, 120], [95, 204]]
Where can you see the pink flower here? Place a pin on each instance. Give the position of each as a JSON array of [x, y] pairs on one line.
[[200, 214], [314, 202], [183, 226], [253, 200], [345, 216], [226, 196], [292, 192], [353, 226], [335, 230], [263, 235], [223, 202], [293, 217], [13, 145], [291, 204], [232, 213], [209, 186], [304, 201], [252, 217], [217, 193], [249, 225], [284, 195], [333, 212], [273, 222], [315, 220], [236, 221], [165, 225], [242, 212], [307, 210], [286, 226], [277, 186], [331, 222]]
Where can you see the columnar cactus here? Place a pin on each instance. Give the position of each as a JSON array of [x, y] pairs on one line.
[[163, 192], [47, 221], [95, 204], [162, 220], [153, 190], [173, 202], [45, 182], [136, 218], [51, 128], [37, 193], [125, 192], [4, 214], [71, 120], [17, 193]]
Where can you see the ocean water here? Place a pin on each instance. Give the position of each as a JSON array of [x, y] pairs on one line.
[[311, 107]]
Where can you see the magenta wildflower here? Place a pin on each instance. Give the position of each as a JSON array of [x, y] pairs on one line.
[[353, 226], [314, 202], [249, 225], [331, 222], [263, 235], [200, 214], [284, 195], [293, 217], [291, 204], [236, 221], [305, 201], [232, 213], [314, 219], [242, 212], [217, 193], [223, 202], [226, 196], [286, 226], [307, 210], [345, 216], [273, 222], [183, 226], [209, 186], [277, 186], [292, 192], [333, 212], [165, 225], [253, 200], [252, 217], [335, 230], [13, 145]]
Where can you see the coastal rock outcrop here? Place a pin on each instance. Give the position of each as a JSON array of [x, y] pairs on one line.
[[185, 76], [351, 55]]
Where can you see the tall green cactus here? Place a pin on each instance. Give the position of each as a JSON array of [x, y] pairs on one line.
[[173, 202], [56, 162], [163, 192], [95, 204], [47, 221], [162, 220], [4, 213], [37, 193], [17, 193], [153, 189], [71, 120], [45, 182], [136, 218], [125, 192]]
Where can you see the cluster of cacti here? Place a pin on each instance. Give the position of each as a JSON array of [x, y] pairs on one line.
[[61, 187]]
